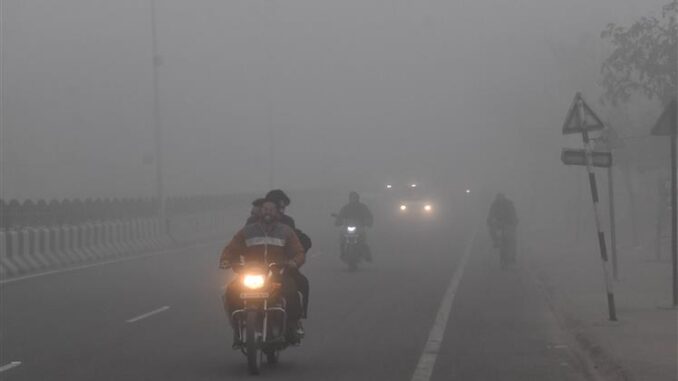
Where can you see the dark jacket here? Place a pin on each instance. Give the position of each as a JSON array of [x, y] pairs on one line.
[[256, 243], [357, 212], [502, 213], [289, 221]]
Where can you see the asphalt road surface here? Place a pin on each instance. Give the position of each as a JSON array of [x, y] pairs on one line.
[[160, 317]]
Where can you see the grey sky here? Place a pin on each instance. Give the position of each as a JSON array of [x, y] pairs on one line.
[[357, 91]]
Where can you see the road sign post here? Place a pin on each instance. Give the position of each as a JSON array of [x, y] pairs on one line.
[[581, 120], [667, 125], [613, 224]]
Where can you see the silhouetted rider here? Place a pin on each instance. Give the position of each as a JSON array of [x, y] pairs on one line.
[[503, 219], [358, 213]]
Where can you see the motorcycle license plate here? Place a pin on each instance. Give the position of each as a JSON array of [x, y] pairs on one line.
[[254, 295]]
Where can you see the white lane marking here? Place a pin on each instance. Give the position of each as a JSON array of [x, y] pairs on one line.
[[428, 358], [148, 314], [9, 366], [82, 267]]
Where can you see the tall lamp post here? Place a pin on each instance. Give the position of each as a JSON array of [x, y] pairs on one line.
[[157, 122]]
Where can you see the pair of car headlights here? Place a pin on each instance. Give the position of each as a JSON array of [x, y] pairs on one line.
[[427, 208]]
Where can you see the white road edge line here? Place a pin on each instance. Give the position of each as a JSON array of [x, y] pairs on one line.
[[82, 267], [428, 358], [9, 366], [148, 314]]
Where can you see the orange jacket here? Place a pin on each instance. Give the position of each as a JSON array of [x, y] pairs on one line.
[[257, 243]]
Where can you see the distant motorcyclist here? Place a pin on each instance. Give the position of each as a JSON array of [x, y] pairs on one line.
[[266, 241], [359, 214], [501, 222]]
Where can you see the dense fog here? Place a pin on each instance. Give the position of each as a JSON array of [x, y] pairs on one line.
[[355, 92]]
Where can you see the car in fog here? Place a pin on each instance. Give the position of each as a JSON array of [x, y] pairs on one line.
[[410, 200], [418, 207]]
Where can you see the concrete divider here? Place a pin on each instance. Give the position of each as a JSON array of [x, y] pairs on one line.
[[121, 238], [14, 252], [146, 234], [43, 247], [61, 244], [103, 243], [27, 250], [7, 266], [90, 242], [38, 249], [135, 230], [75, 248], [114, 237], [129, 236]]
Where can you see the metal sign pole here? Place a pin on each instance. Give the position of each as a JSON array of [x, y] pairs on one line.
[[613, 225], [612, 312], [674, 222]]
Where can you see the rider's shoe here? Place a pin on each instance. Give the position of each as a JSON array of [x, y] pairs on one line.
[[300, 330], [292, 336], [237, 343]]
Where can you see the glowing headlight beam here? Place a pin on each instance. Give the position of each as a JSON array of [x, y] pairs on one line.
[[403, 207], [253, 281], [351, 229], [428, 207]]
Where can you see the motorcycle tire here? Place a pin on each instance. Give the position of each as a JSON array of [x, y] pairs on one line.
[[251, 345], [272, 356]]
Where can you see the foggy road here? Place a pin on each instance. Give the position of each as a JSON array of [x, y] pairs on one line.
[[160, 318]]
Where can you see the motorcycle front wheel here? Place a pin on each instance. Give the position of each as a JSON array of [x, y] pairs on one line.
[[252, 346], [272, 356]]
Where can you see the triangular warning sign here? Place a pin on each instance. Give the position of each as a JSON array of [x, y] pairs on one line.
[[667, 121], [581, 118]]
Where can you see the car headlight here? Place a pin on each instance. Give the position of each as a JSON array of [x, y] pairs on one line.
[[253, 282], [428, 207], [403, 207], [351, 229]]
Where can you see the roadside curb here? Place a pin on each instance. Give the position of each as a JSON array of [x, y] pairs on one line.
[[596, 363]]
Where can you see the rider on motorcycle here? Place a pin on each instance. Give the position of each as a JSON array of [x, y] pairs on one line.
[[255, 211], [266, 241], [502, 218], [359, 214]]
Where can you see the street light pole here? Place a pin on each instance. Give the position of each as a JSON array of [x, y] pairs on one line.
[[157, 122]]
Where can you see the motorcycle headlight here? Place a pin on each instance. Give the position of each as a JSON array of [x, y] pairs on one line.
[[403, 207], [428, 207], [253, 281], [351, 229]]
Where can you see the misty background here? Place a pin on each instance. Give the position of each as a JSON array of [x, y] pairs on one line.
[[357, 93]]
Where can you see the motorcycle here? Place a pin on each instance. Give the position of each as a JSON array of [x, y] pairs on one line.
[[351, 246], [261, 324]]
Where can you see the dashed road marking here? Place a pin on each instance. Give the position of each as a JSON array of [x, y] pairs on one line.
[[148, 314], [9, 366], [428, 358]]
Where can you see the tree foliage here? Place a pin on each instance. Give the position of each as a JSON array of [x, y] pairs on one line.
[[644, 59]]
